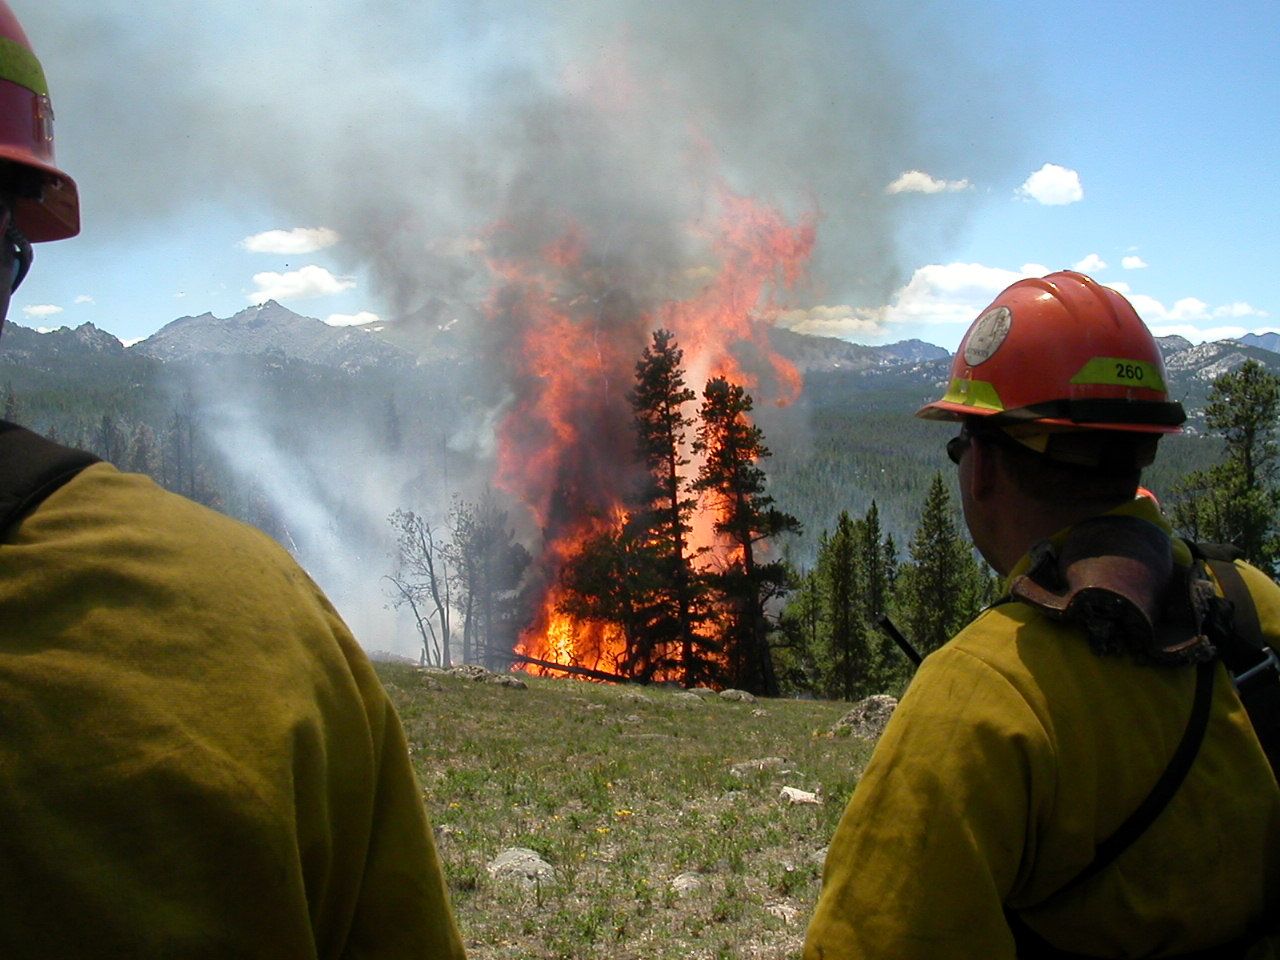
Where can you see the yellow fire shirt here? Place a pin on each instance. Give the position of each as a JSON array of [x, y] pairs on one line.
[[196, 759], [1014, 751]]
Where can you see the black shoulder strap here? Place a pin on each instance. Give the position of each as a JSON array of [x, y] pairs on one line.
[[1254, 665], [1030, 943], [31, 468]]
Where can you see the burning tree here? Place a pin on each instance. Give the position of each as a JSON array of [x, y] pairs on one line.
[[734, 484], [664, 516], [571, 314]]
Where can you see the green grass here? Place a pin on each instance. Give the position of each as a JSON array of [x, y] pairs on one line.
[[621, 795]]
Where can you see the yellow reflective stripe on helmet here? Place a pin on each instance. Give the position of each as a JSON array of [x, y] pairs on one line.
[[19, 65], [973, 393], [1118, 372]]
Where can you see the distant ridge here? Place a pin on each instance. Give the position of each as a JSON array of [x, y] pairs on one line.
[[270, 329], [1265, 341]]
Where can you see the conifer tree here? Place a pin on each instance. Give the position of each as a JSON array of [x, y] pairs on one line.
[[1236, 501], [12, 409], [937, 586], [731, 447], [659, 527], [843, 596], [487, 565]]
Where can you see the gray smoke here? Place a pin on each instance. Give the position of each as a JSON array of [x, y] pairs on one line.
[[411, 126], [432, 134]]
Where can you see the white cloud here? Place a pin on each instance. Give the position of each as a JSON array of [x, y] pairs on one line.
[[41, 310], [1133, 263], [1192, 310], [917, 181], [309, 281], [1052, 186], [85, 298], [1239, 309], [1091, 264], [351, 319], [295, 241], [1119, 286], [834, 321], [953, 292]]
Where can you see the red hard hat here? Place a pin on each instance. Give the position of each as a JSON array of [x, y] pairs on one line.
[[26, 137], [1061, 350]]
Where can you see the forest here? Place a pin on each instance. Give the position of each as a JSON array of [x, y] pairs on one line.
[[829, 513]]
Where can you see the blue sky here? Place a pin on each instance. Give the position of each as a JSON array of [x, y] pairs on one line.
[[949, 148]]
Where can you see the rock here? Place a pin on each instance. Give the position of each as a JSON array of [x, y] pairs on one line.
[[687, 698], [469, 671], [506, 680], [868, 717], [793, 795], [633, 696], [521, 865], [759, 713], [785, 912], [738, 696], [632, 718], [595, 706], [705, 692], [751, 766], [686, 883]]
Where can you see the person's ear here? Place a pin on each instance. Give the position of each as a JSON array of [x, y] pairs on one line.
[[984, 469]]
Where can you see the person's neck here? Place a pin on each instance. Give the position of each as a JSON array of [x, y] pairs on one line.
[[1032, 521]]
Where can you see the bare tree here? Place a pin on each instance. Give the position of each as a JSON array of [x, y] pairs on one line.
[[422, 582]]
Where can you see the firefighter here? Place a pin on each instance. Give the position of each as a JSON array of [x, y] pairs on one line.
[[1024, 744], [196, 758]]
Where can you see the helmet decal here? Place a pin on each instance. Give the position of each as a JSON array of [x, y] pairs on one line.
[[988, 332], [1120, 372], [19, 65]]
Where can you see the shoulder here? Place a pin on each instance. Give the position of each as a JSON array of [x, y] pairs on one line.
[[143, 561], [104, 512]]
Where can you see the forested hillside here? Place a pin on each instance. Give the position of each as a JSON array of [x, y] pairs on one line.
[[321, 454]]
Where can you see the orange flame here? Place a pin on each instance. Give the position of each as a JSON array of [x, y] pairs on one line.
[[566, 446]]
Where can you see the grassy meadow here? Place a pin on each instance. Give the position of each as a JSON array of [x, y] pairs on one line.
[[666, 838]]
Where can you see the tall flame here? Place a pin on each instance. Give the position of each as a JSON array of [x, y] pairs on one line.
[[566, 442]]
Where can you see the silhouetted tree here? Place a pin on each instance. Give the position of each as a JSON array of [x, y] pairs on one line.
[[731, 447], [659, 525], [488, 563]]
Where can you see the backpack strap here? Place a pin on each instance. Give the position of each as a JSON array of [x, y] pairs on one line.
[[1253, 663], [1031, 944], [31, 468]]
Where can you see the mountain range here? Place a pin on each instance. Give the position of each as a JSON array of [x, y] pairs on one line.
[[272, 331]]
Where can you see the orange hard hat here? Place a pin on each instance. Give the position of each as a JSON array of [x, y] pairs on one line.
[[26, 138], [1061, 351]]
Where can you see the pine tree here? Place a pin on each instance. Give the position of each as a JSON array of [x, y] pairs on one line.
[[937, 588], [1237, 501], [12, 409], [109, 440], [731, 447], [843, 601], [660, 523], [488, 564]]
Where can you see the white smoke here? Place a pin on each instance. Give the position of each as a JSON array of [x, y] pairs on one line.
[[411, 128]]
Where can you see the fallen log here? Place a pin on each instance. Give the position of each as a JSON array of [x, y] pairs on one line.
[[569, 668]]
